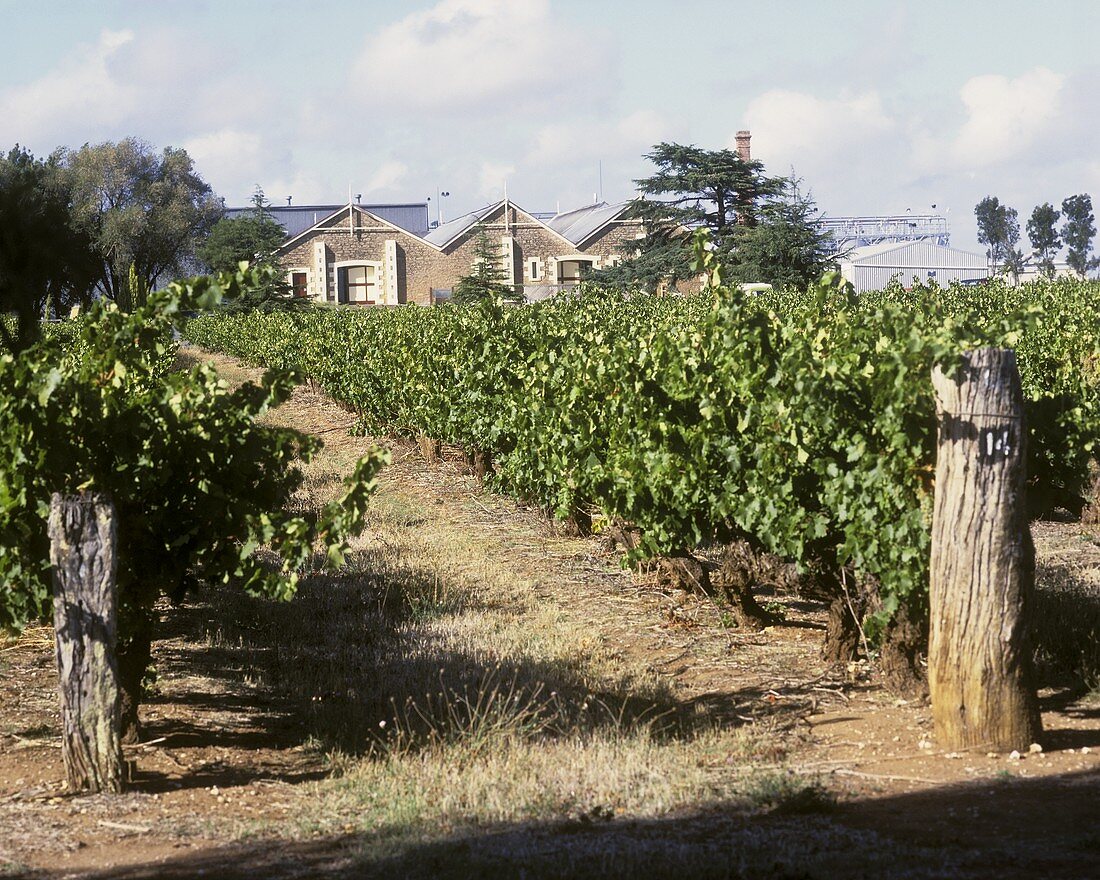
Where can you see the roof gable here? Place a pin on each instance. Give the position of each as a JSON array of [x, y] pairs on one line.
[[340, 216], [581, 224]]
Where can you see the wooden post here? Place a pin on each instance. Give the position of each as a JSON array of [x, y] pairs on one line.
[[82, 551], [979, 656]]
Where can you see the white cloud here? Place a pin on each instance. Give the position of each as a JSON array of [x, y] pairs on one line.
[[490, 55], [79, 95], [1027, 139], [388, 177], [586, 139], [810, 133], [492, 177], [228, 159], [1005, 116]]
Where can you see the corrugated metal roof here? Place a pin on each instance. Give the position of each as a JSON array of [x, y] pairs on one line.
[[580, 224], [913, 254], [296, 219], [447, 232]]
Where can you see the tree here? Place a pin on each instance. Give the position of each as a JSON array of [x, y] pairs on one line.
[[692, 188], [45, 265], [1078, 232], [139, 208], [487, 281], [999, 230], [786, 247], [254, 238], [198, 484], [1043, 235]]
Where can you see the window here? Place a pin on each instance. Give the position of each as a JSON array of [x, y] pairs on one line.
[[360, 283], [534, 269], [572, 271], [299, 284]]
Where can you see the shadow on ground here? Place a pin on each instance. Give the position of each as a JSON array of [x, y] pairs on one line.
[[1028, 828]]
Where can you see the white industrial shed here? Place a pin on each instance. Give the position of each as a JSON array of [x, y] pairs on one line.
[[871, 267]]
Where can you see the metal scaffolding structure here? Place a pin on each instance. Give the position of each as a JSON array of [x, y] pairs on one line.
[[853, 232]]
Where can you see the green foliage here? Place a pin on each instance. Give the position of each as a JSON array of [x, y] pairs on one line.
[[1042, 232], [139, 208], [199, 485], [45, 266], [999, 229], [488, 280], [802, 421], [691, 188], [252, 238], [1078, 232], [785, 248]]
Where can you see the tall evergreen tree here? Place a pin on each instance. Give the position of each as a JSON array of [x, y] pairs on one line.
[[254, 237], [1042, 232], [488, 280], [786, 247], [692, 188], [1078, 232]]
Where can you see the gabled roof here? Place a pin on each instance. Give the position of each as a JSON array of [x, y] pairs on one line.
[[581, 224], [447, 232], [327, 223], [295, 219]]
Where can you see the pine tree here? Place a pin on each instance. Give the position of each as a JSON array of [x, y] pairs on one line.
[[488, 280]]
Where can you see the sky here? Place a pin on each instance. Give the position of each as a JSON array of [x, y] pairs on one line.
[[879, 107]]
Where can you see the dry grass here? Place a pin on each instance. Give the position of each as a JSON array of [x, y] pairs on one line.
[[1066, 613], [449, 692]]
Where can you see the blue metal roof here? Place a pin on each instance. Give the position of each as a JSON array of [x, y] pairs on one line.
[[296, 219]]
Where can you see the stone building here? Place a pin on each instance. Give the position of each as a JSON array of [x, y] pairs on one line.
[[357, 257]]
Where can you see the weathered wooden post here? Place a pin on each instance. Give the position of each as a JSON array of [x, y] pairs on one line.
[[82, 551], [979, 662]]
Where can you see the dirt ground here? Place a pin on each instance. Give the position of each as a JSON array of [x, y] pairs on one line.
[[228, 765]]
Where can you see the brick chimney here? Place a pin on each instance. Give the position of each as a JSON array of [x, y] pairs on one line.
[[743, 151]]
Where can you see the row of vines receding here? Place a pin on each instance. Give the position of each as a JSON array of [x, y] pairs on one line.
[[803, 424]]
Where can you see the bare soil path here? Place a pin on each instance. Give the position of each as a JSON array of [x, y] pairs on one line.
[[231, 760]]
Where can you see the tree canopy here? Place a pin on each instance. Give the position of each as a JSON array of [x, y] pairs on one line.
[[45, 265], [763, 226], [786, 247], [1042, 232], [999, 230], [253, 238], [1078, 232], [140, 208]]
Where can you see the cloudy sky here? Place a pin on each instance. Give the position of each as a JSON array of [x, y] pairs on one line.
[[879, 106]]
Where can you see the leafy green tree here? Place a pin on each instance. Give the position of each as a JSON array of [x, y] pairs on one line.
[[488, 280], [999, 230], [691, 188], [1042, 232], [786, 247], [45, 265], [254, 238], [1078, 232], [139, 208], [198, 484]]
